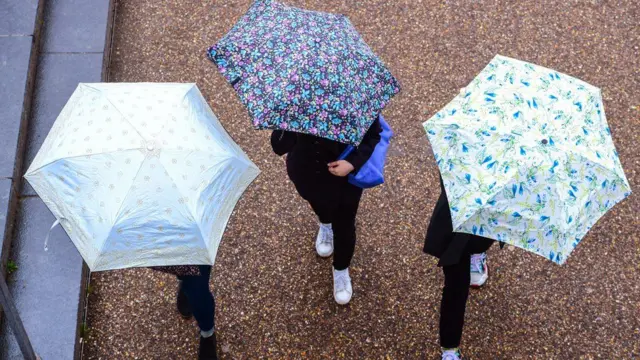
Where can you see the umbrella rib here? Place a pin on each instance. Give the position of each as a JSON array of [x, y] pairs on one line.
[[225, 209], [117, 217], [502, 187], [77, 156], [597, 163], [456, 120], [121, 114], [209, 183], [493, 196], [229, 141], [184, 97], [187, 205], [223, 159]]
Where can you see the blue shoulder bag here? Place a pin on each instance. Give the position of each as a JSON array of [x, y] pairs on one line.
[[371, 174]]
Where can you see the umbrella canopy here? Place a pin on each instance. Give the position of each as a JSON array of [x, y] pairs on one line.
[[527, 158], [304, 71], [140, 175]]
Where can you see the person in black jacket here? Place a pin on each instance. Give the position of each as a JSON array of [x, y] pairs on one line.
[[463, 261], [321, 180]]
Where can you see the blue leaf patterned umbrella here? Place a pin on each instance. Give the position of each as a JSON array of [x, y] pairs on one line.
[[527, 158], [304, 71]]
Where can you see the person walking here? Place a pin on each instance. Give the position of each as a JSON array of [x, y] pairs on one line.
[[464, 263], [322, 181], [194, 299]]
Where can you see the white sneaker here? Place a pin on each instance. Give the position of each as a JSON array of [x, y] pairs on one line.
[[324, 240], [479, 269], [451, 355], [342, 290]]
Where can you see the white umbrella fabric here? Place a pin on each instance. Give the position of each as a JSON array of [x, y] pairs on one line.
[[141, 174]]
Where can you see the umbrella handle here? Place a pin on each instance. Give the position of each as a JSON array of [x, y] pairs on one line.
[[46, 239]]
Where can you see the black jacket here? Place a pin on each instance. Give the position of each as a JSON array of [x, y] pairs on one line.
[[308, 158], [441, 241]]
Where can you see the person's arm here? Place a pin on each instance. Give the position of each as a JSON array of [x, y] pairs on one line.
[[282, 141], [361, 154]]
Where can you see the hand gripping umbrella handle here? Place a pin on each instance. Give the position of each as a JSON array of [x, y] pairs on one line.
[[46, 239]]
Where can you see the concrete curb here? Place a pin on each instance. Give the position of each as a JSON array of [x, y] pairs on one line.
[[86, 274], [16, 180]]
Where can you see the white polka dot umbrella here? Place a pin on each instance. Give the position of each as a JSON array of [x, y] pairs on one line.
[[141, 174]]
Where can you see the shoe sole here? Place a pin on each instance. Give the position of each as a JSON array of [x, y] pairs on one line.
[[339, 303], [324, 256], [477, 286]]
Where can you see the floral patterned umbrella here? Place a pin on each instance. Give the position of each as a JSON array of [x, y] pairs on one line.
[[527, 158], [304, 71]]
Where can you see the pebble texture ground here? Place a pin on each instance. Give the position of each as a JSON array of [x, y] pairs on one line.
[[275, 295]]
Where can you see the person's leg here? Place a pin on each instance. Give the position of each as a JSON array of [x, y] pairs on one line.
[[454, 302], [344, 227], [182, 303], [344, 230], [203, 306], [201, 301], [324, 238], [321, 211], [477, 245]]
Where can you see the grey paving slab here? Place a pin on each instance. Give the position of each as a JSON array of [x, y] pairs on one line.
[[58, 76], [46, 287], [14, 67], [18, 17], [76, 25]]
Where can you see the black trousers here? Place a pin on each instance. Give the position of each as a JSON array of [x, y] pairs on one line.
[[341, 214], [455, 293], [202, 303]]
